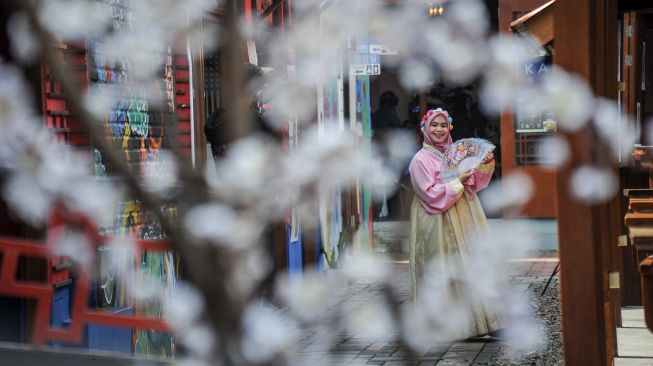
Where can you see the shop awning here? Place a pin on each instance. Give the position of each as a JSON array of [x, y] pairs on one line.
[[538, 23]]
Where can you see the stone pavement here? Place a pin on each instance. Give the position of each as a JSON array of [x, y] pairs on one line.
[[317, 347]]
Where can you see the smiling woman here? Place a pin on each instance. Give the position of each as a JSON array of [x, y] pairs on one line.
[[445, 216]]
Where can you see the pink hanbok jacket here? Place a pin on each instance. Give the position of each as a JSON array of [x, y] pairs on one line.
[[435, 195]]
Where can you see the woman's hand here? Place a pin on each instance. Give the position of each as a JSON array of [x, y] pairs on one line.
[[488, 158], [465, 176]]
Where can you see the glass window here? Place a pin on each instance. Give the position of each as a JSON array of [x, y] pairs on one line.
[[531, 128]]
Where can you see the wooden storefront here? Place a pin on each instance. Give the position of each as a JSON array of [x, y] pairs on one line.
[[520, 133], [605, 42]]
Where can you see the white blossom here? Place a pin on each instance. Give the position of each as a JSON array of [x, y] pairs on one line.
[[383, 179], [99, 100], [365, 267], [14, 97], [138, 48], [470, 16], [250, 268], [401, 146], [492, 249], [222, 225], [24, 44], [328, 156], [144, 287], [524, 334], [266, 334], [184, 306], [74, 244], [371, 320], [96, 198], [445, 293], [568, 96], [512, 192], [27, 198], [121, 251], [73, 20], [465, 66], [288, 103], [417, 74], [161, 175], [245, 170], [308, 295], [617, 130], [553, 151], [200, 340], [167, 15], [503, 82], [593, 184]]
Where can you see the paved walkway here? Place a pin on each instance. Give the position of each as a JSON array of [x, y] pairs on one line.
[[316, 347]]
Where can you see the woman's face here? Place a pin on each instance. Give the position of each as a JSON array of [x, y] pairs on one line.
[[439, 130]]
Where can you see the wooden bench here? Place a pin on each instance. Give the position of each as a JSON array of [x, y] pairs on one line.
[[646, 270], [638, 193], [640, 232], [640, 205], [639, 219]]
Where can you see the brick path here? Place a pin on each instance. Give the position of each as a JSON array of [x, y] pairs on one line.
[[350, 349]]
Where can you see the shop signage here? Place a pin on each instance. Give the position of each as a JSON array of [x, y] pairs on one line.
[[536, 68], [365, 64], [365, 69], [381, 49]]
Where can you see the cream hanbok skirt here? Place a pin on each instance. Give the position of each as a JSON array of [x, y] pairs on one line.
[[439, 250]]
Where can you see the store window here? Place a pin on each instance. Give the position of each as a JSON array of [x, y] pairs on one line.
[[531, 128]]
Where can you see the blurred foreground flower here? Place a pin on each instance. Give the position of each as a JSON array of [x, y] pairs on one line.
[[266, 334], [510, 193], [593, 184]]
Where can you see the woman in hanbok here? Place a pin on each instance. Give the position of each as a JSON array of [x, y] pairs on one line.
[[446, 216]]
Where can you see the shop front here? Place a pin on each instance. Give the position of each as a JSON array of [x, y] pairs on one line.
[[522, 132]]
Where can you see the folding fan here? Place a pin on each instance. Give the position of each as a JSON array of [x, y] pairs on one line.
[[464, 155]]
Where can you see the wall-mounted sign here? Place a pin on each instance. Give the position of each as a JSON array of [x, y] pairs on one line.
[[365, 69], [537, 67], [381, 49], [364, 63]]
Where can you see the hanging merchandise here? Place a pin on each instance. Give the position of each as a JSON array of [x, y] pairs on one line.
[[330, 107], [138, 117], [138, 132], [360, 124], [99, 168], [169, 80]]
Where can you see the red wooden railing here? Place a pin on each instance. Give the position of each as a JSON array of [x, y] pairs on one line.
[[12, 249]]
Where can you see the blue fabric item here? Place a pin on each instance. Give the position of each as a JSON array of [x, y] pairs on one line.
[[106, 338], [117, 121], [113, 116], [61, 307], [99, 74], [123, 104], [295, 260]]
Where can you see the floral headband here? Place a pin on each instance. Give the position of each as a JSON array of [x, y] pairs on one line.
[[432, 113]]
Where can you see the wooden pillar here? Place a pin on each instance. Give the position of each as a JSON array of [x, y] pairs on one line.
[[586, 233]]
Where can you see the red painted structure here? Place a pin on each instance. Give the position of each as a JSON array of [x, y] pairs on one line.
[[12, 249]]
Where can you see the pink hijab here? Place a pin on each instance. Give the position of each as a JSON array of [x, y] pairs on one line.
[[426, 123]]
